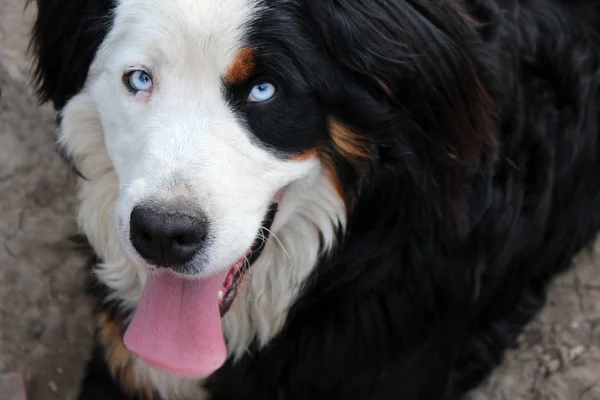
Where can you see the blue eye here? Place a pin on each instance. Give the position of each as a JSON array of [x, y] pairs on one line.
[[139, 81], [262, 92]]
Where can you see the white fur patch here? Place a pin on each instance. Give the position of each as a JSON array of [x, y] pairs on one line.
[[309, 212], [130, 150]]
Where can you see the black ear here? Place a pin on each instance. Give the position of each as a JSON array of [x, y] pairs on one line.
[[424, 57], [65, 38]]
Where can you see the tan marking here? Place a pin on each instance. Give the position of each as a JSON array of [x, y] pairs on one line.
[[242, 67], [305, 156], [354, 149], [350, 145], [119, 359]]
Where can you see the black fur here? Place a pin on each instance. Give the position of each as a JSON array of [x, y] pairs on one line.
[[98, 383], [66, 35], [483, 180]]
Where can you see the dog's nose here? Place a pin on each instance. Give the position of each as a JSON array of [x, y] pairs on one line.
[[167, 237]]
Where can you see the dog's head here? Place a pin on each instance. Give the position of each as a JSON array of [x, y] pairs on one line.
[[193, 120]]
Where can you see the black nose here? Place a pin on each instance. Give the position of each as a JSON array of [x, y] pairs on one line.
[[166, 236]]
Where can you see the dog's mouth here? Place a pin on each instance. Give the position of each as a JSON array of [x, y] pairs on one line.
[[237, 272], [177, 325]]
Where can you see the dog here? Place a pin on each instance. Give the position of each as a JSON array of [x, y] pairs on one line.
[[321, 199]]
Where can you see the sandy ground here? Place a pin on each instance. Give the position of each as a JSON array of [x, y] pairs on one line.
[[45, 325]]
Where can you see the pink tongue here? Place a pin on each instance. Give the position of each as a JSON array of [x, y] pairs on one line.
[[177, 325]]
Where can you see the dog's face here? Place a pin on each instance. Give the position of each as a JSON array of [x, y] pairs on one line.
[[203, 130]]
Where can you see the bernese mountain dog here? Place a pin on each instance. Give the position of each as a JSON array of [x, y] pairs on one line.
[[321, 199]]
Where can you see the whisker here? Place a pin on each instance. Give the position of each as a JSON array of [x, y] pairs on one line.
[[243, 269], [278, 241]]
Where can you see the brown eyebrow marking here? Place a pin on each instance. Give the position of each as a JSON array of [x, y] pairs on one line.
[[242, 67]]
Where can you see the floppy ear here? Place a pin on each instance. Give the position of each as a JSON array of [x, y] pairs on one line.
[[65, 38], [432, 112]]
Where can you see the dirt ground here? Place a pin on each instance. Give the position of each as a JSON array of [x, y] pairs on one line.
[[45, 326]]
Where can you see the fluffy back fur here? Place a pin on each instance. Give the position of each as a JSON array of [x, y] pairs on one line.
[[439, 161]]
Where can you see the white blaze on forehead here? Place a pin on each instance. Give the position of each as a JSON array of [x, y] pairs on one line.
[[169, 29]]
